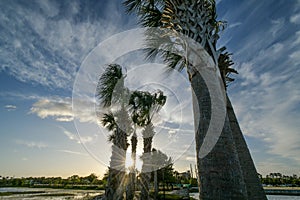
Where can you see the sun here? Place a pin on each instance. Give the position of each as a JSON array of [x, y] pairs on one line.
[[129, 161]]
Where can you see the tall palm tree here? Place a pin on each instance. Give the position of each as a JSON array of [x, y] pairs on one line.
[[255, 190], [113, 94], [144, 106], [220, 174]]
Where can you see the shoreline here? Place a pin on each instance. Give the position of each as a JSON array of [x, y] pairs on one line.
[[285, 191]]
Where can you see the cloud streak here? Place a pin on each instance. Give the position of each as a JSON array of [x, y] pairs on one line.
[[10, 107], [32, 144]]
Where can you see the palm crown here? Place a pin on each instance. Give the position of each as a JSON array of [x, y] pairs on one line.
[[180, 16]]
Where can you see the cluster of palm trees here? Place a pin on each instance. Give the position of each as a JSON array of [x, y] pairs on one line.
[[227, 171], [125, 112]]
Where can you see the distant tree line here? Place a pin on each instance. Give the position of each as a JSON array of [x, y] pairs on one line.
[[167, 179], [278, 179], [73, 182]]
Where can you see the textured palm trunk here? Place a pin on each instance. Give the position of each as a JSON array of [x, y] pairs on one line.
[[219, 172], [253, 185], [115, 190], [155, 185], [148, 134], [115, 187], [132, 174]]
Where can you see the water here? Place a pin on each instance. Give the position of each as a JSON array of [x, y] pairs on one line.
[[79, 194], [270, 197], [279, 197], [53, 194]]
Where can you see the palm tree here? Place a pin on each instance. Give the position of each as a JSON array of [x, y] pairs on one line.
[[144, 106], [252, 181], [113, 94], [220, 173]]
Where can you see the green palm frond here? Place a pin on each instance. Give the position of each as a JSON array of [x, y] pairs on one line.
[[111, 80], [151, 18], [144, 105], [112, 138], [225, 62], [109, 122]]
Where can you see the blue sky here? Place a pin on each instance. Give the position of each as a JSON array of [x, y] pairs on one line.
[[45, 43]]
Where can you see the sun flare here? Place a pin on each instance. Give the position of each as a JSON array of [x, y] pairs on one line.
[[129, 161]]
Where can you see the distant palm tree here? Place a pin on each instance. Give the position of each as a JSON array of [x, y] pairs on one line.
[[144, 105], [220, 173]]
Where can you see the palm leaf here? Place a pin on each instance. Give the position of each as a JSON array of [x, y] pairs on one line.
[[110, 81], [108, 121]]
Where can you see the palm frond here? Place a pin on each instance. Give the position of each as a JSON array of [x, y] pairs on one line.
[[108, 121], [144, 105], [110, 80], [225, 62]]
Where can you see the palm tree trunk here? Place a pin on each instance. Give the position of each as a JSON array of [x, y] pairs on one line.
[[148, 134], [253, 185], [114, 190], [155, 185], [131, 186], [219, 172], [115, 187]]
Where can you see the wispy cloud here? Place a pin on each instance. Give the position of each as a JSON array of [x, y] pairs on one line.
[[32, 144], [233, 25], [10, 107], [268, 105], [73, 152], [33, 52], [295, 18], [77, 138]]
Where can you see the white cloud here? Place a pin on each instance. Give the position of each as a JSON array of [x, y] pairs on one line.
[[10, 107], [297, 41], [235, 25], [57, 108], [77, 138], [50, 8], [32, 144], [246, 72], [191, 158], [295, 57], [277, 26], [295, 19], [61, 110]]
